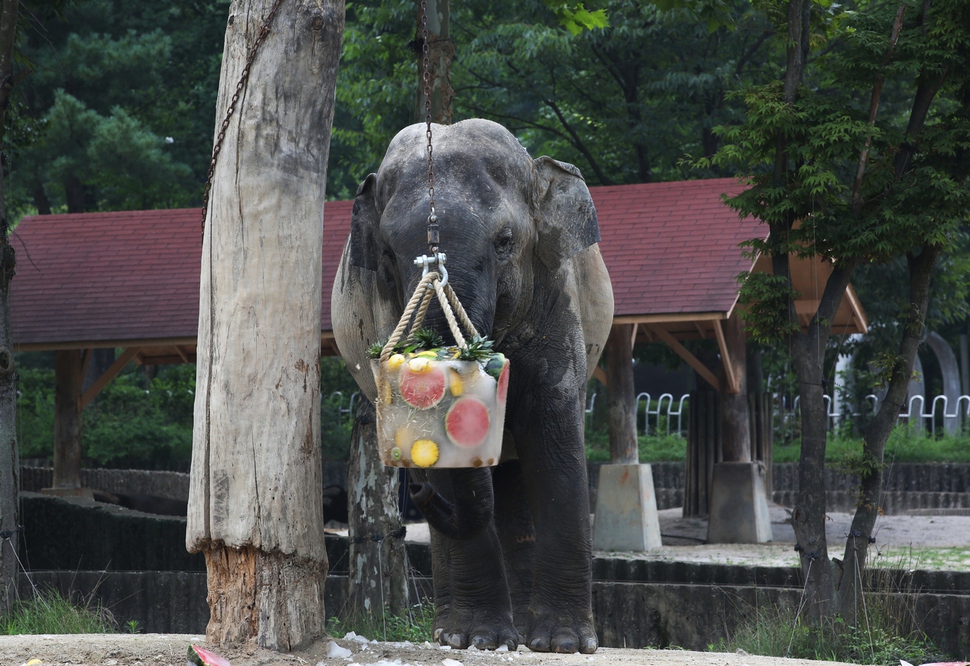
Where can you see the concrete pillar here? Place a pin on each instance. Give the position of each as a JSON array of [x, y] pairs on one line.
[[739, 508], [626, 509], [626, 506]]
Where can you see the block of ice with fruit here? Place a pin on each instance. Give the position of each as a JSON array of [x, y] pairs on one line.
[[441, 406]]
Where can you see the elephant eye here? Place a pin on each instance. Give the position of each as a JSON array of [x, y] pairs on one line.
[[503, 243]]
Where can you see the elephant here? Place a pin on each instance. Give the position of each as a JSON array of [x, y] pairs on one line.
[[511, 544]]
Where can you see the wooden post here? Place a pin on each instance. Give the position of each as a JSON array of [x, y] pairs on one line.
[[255, 502], [736, 434], [68, 377], [621, 396]]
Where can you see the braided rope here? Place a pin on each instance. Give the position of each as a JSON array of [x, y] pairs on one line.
[[449, 315], [402, 325], [423, 310], [420, 301], [460, 311]]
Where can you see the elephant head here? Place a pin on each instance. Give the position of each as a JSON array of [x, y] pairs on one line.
[[505, 219]]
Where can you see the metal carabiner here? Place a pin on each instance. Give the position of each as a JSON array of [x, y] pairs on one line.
[[426, 262]]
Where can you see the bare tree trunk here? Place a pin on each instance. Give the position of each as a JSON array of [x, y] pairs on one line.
[[255, 503], [622, 400], [67, 419], [9, 458], [377, 551], [877, 434]]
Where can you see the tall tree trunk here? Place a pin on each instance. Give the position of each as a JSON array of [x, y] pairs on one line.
[[377, 551], [255, 503], [621, 396], [877, 434], [67, 419], [9, 459], [808, 517], [441, 51]]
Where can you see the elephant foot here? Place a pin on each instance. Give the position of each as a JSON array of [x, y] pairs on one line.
[[484, 630], [561, 632]]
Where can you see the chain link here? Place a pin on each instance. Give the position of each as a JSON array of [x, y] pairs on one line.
[[243, 79], [425, 50]]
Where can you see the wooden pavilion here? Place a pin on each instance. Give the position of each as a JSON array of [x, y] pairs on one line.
[[130, 281]]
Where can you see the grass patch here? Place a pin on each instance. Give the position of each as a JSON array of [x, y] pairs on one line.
[[879, 639], [51, 613], [415, 626], [904, 445], [653, 448]]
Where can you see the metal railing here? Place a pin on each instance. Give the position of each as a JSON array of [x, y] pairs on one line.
[[656, 411], [915, 415]]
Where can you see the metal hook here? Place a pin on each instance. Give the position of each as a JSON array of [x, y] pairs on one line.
[[427, 262]]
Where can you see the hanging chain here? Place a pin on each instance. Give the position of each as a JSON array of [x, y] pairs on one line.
[[425, 50], [217, 148]]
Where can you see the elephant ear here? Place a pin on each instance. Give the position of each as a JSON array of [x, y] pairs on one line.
[[565, 217], [363, 226]]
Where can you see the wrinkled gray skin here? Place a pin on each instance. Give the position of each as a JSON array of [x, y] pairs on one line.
[[520, 238]]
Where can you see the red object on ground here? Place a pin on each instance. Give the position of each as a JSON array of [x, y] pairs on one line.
[[210, 658]]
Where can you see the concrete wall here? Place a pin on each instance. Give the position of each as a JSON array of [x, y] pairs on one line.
[[104, 552], [79, 534], [627, 614], [907, 486]]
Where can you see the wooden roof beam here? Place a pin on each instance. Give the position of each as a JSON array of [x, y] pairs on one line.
[[689, 358], [85, 399], [733, 381]]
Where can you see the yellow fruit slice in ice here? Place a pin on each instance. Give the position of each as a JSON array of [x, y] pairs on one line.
[[424, 453], [454, 382]]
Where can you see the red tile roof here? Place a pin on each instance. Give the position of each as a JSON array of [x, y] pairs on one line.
[[672, 248], [133, 277]]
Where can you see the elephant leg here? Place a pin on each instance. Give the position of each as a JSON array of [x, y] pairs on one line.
[[517, 535], [472, 606], [554, 471]]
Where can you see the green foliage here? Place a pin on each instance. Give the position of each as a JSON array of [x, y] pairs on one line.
[[415, 625], [904, 445], [888, 631], [141, 423], [815, 199], [622, 101], [118, 112], [652, 448], [576, 18], [35, 411], [51, 613]]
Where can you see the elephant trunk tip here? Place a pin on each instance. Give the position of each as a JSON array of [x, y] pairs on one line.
[[465, 519]]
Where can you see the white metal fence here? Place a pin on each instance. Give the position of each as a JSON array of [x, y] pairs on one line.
[[916, 414], [660, 415]]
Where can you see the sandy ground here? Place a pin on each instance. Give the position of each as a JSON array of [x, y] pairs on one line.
[[161, 650], [941, 542]]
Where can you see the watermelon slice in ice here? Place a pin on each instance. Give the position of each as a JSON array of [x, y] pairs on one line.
[[425, 387], [467, 422], [503, 384]]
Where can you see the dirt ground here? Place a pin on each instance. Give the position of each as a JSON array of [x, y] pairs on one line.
[[161, 650], [936, 541]]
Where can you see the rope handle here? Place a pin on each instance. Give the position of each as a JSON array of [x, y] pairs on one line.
[[420, 301]]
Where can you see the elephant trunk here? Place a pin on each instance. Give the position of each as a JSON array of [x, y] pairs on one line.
[[472, 510]]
